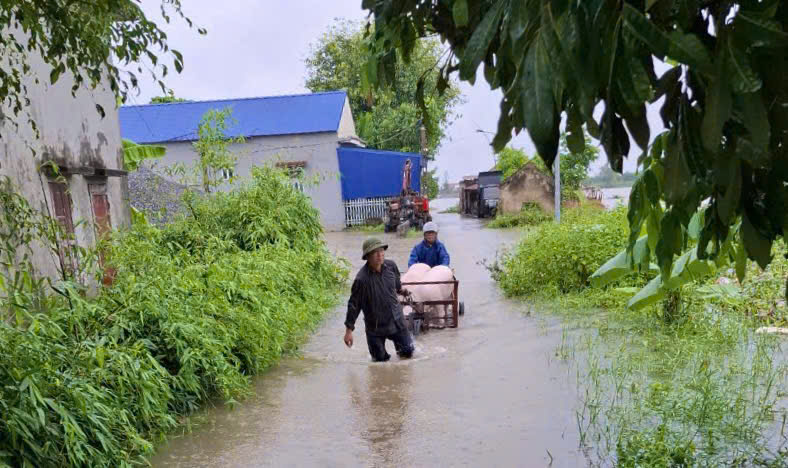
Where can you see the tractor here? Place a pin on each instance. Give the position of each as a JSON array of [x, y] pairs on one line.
[[409, 207]]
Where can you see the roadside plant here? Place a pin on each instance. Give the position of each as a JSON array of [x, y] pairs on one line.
[[718, 68]]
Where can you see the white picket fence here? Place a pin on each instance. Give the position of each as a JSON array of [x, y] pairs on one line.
[[358, 211]]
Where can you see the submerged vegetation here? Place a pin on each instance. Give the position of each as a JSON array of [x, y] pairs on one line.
[[196, 308], [684, 382], [530, 215]]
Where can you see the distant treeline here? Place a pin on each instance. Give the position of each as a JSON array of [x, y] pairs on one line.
[[608, 178]]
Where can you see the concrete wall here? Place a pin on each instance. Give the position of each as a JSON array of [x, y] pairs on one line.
[[72, 133], [318, 150], [347, 127], [527, 185]]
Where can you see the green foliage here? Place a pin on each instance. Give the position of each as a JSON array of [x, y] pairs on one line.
[[94, 41], [655, 448], [510, 160], [167, 98], [134, 154], [560, 258], [385, 118], [531, 214], [429, 184], [196, 308], [213, 147], [574, 166], [724, 98]]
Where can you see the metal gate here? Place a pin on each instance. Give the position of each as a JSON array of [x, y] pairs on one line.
[[358, 211]]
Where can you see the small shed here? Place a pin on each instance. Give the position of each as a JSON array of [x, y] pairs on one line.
[[469, 195], [527, 185]]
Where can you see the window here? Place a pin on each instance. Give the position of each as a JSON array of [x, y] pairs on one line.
[[61, 202], [99, 203], [228, 174], [296, 171]]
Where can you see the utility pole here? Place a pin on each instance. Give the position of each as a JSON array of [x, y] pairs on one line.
[[557, 173], [424, 159]]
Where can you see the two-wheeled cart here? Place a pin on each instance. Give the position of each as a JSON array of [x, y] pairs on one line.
[[426, 315]]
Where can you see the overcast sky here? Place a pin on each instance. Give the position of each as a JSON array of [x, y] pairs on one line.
[[258, 48]]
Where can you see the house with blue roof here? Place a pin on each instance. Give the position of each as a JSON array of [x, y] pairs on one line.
[[313, 133]]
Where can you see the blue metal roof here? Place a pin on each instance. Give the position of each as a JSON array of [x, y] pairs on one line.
[[368, 173], [260, 116]]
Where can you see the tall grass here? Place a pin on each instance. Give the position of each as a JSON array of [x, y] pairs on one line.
[[196, 308], [702, 390]]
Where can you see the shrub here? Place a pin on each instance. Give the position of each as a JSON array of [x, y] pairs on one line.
[[196, 308], [531, 214], [559, 258]]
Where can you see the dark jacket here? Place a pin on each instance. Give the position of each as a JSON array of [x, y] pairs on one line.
[[376, 295], [432, 255]]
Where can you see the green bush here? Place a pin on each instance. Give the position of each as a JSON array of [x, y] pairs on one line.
[[559, 258], [196, 308], [530, 215]]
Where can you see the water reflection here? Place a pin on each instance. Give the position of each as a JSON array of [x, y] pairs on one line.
[[380, 398]]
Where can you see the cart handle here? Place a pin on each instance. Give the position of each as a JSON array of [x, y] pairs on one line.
[[411, 283]]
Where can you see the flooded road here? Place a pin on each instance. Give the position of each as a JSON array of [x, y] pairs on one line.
[[489, 393]]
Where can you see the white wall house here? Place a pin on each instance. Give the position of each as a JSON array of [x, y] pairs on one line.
[[91, 195], [302, 130]]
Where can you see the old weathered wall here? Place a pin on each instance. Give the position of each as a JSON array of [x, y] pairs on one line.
[[318, 150], [527, 185], [72, 133]]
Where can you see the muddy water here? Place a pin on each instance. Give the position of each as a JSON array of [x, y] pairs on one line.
[[489, 393]]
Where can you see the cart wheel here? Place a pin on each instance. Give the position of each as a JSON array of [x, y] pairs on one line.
[[462, 308]]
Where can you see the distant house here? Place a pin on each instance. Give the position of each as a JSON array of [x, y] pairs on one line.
[[527, 185], [309, 133], [76, 174]]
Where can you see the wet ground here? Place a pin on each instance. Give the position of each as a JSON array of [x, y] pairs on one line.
[[489, 393]]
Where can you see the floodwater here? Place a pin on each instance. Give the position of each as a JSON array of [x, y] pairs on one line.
[[489, 393]]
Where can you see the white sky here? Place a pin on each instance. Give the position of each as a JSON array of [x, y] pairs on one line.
[[258, 48]]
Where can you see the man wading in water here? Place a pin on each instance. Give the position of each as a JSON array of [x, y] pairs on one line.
[[374, 292]]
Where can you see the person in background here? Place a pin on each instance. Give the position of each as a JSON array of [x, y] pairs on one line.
[[430, 251], [374, 292]]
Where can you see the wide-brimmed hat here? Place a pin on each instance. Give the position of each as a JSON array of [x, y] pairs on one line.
[[370, 245]]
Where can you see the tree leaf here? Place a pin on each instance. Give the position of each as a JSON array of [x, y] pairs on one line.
[[695, 225], [615, 268], [645, 30], [575, 138], [756, 119], [480, 41], [730, 178], [652, 228], [54, 74], [538, 103], [742, 77], [759, 248], [459, 12], [718, 109], [758, 32], [650, 294], [741, 262], [669, 243], [638, 127], [688, 49], [678, 181]]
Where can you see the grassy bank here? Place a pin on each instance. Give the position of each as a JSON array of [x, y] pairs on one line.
[[701, 389], [196, 308]]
